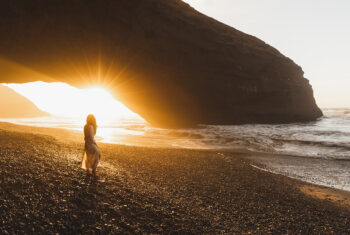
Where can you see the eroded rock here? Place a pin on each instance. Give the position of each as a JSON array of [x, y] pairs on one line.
[[172, 65]]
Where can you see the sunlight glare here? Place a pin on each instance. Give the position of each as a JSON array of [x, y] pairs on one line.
[[63, 100]]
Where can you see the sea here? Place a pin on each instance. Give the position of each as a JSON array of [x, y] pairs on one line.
[[317, 152]]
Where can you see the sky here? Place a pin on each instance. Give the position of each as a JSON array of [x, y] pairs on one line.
[[315, 34]]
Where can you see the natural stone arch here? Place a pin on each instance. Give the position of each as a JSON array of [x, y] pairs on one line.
[[170, 64]]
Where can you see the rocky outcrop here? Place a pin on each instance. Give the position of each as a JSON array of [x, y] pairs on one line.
[[14, 105], [167, 62]]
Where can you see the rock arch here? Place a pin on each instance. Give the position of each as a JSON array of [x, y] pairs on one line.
[[167, 62]]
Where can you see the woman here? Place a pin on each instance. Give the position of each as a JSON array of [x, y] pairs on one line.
[[92, 154]]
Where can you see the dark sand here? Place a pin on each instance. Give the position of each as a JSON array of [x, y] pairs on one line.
[[150, 190]]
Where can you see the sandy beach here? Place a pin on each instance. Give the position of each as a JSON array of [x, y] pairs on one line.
[[152, 190]]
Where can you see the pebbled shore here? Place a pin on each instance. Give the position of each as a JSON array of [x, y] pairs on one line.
[[150, 190]]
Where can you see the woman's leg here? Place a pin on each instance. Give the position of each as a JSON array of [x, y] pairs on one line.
[[94, 166], [88, 163]]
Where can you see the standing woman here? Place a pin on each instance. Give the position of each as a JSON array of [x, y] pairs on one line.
[[92, 153]]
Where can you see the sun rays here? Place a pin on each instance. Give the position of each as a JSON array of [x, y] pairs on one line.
[[63, 100], [95, 74]]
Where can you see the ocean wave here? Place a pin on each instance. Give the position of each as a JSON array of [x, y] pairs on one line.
[[338, 145], [329, 137]]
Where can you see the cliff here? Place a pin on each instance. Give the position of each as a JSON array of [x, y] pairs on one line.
[[167, 62], [14, 105]]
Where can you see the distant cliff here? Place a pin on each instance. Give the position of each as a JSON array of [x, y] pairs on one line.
[[167, 62], [14, 105]]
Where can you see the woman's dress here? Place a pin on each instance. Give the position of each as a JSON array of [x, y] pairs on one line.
[[92, 154]]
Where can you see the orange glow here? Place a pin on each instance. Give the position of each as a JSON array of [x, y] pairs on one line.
[[60, 99]]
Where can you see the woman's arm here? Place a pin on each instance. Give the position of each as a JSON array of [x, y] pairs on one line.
[[91, 131]]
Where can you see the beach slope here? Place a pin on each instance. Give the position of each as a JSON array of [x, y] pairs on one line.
[[151, 190]]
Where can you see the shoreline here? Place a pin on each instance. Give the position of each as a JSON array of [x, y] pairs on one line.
[[77, 136], [152, 190], [318, 191]]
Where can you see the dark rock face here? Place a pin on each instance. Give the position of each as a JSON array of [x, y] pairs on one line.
[[167, 62]]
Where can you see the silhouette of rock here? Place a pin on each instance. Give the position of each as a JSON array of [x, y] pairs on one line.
[[14, 105], [167, 62]]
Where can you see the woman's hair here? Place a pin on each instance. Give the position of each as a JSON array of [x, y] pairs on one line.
[[91, 120]]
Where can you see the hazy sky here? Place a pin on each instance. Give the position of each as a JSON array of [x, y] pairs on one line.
[[313, 33]]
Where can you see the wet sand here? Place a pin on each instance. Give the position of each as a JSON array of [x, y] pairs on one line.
[[151, 190]]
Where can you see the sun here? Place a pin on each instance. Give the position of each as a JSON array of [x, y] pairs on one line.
[[63, 100]]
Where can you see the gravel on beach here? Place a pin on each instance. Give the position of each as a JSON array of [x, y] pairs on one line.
[[149, 190]]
